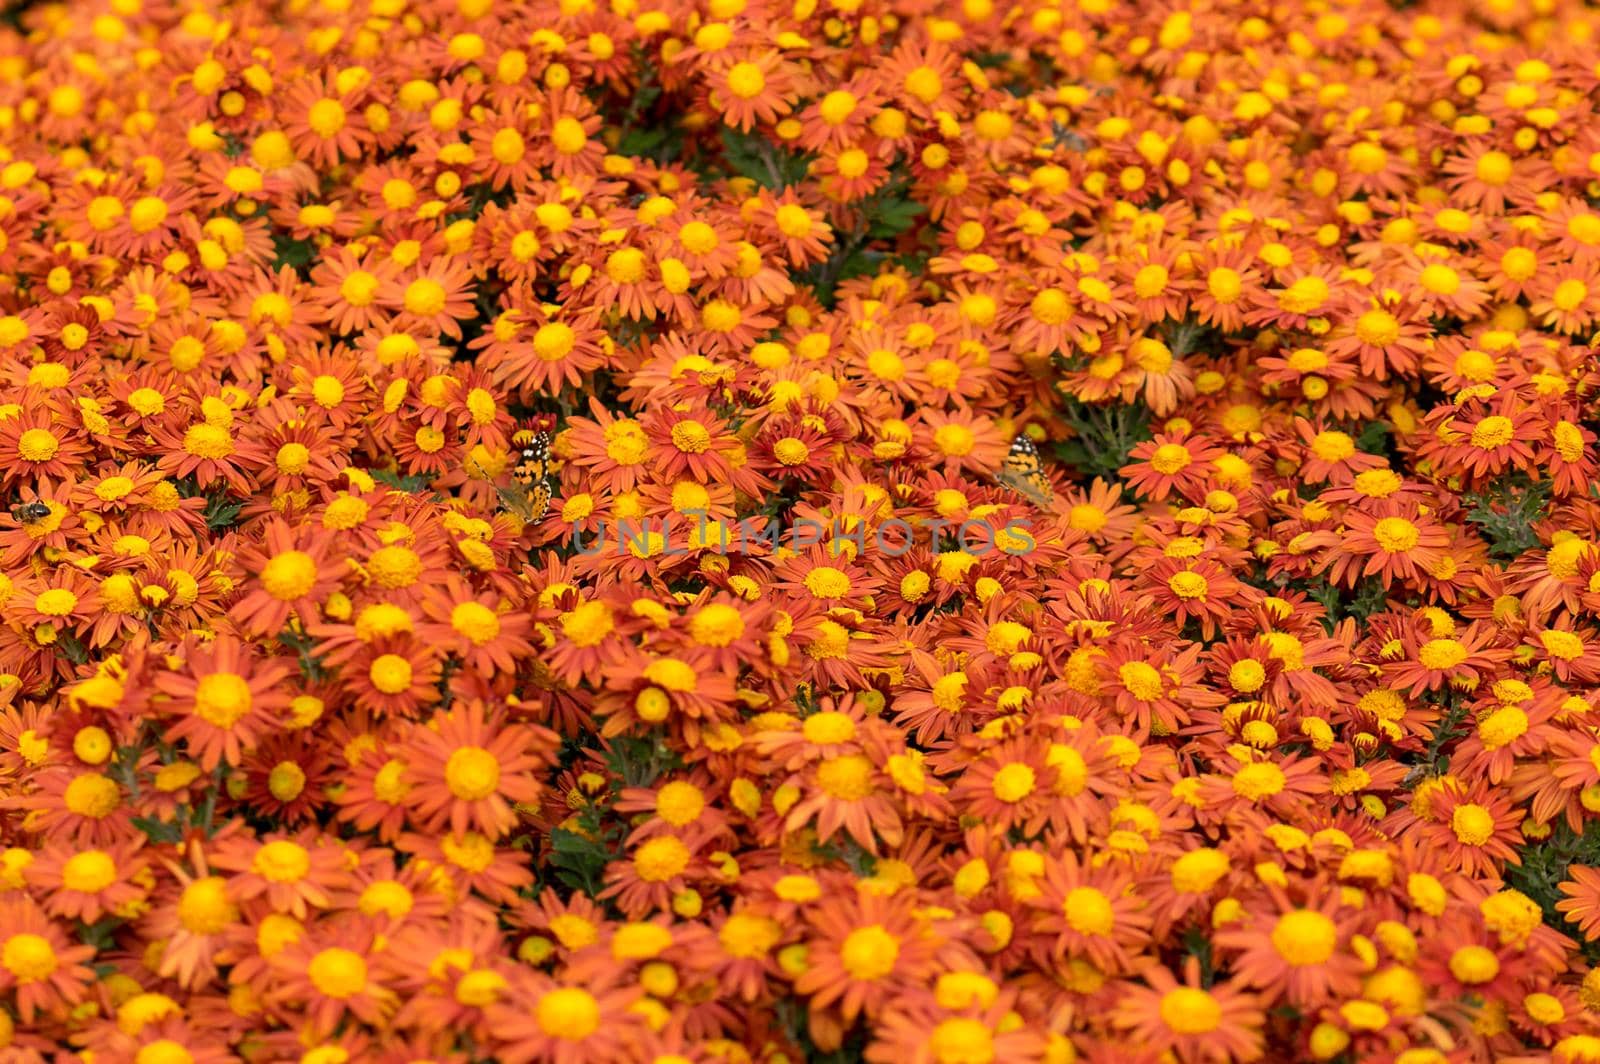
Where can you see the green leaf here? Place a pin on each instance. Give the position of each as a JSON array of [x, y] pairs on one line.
[[753, 156], [1374, 439], [893, 216], [640, 760], [1505, 512], [580, 860], [287, 251], [1105, 435], [410, 484], [221, 511]]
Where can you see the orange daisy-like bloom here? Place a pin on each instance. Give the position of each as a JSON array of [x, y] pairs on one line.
[[38, 965], [290, 874], [754, 88], [226, 699], [1086, 914], [326, 982], [294, 572], [324, 125], [1298, 954], [393, 675], [1391, 541], [1168, 464], [1195, 1023], [468, 769], [864, 952], [434, 298], [84, 884], [546, 1021]]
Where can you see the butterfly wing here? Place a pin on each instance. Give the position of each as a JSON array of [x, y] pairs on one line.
[[528, 494], [1023, 472]]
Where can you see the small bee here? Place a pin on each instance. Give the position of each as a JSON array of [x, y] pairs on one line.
[[28, 513], [1023, 472], [532, 482]]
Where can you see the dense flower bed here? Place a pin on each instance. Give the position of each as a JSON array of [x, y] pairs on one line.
[[1249, 713]]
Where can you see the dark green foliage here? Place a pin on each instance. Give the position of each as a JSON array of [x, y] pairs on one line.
[[1545, 864], [1505, 511], [1367, 598], [756, 158], [641, 760], [221, 511], [410, 484], [1374, 438], [579, 858], [1104, 436], [287, 251]]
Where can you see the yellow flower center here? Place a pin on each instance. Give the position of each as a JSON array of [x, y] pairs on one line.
[[208, 441], [568, 136], [680, 803], [472, 773], [660, 859], [1304, 937], [475, 621], [222, 699], [847, 778], [1441, 654], [204, 908], [282, 861], [691, 437], [1199, 870], [746, 81], [717, 625], [28, 957], [55, 602], [961, 1041], [338, 973], [93, 795], [1247, 675], [588, 624], [1142, 680], [554, 341], [1563, 645], [38, 445], [825, 582], [1477, 964], [394, 567], [869, 952], [625, 266], [1493, 431], [1333, 446], [828, 727], [1170, 458], [1088, 911], [390, 674], [1377, 328], [89, 872], [1189, 1010], [1396, 535], [424, 297], [568, 1013], [286, 781], [1259, 780], [791, 451], [289, 575], [146, 213], [745, 935], [1472, 824], [326, 118], [1013, 782], [954, 440]]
